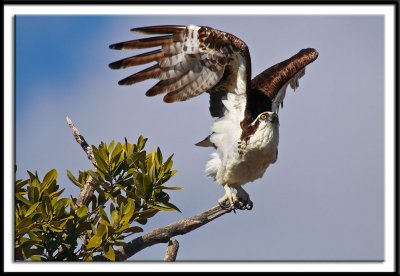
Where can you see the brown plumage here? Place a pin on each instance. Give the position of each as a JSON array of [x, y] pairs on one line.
[[272, 79], [156, 55], [265, 86], [196, 59]]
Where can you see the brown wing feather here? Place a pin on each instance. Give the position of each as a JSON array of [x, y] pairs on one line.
[[192, 59], [156, 55], [267, 89], [145, 74], [274, 78], [162, 29], [143, 43]]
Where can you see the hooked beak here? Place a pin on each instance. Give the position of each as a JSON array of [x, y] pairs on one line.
[[274, 118]]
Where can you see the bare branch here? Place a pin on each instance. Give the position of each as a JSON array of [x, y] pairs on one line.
[[81, 141], [86, 193], [164, 234], [172, 251]]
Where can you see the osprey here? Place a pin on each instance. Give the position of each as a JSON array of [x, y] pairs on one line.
[[197, 59]]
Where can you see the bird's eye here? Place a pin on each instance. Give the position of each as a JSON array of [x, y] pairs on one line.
[[263, 116]]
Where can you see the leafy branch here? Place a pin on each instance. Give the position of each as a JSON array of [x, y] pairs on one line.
[[125, 189]]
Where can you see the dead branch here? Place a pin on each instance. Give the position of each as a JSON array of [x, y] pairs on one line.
[[164, 234], [172, 251], [86, 192]]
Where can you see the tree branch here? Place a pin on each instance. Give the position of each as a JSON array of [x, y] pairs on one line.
[[164, 234], [86, 192], [172, 251], [81, 141]]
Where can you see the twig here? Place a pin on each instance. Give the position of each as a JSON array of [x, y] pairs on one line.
[[86, 192], [81, 141], [164, 234], [172, 251]]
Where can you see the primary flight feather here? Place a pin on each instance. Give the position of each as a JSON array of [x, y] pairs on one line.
[[191, 60]]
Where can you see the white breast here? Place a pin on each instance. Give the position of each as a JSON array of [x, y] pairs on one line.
[[227, 166]]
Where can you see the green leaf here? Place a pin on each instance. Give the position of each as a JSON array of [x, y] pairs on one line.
[[73, 179], [94, 242], [20, 183], [103, 214], [147, 213], [101, 230], [134, 229], [24, 223], [32, 176], [115, 219], [82, 211], [46, 207], [159, 156], [36, 258], [168, 188], [115, 155], [23, 199], [134, 157], [129, 206], [88, 257], [32, 209], [110, 146], [117, 169], [105, 222], [33, 236], [61, 204], [128, 212], [33, 194], [121, 200], [55, 229], [141, 142], [170, 205], [50, 176], [55, 195], [81, 227], [147, 185], [168, 164], [161, 208], [139, 185], [109, 253], [101, 162]]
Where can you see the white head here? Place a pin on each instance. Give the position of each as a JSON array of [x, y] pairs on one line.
[[266, 128], [266, 119]]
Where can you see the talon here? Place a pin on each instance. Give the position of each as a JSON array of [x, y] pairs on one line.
[[239, 205], [223, 205], [245, 198], [249, 205]]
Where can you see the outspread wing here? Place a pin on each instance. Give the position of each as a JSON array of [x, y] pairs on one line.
[[192, 60], [273, 81]]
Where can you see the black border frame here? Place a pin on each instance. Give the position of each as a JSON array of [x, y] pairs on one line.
[[395, 3]]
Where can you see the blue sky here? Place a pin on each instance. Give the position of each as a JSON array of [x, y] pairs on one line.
[[322, 200]]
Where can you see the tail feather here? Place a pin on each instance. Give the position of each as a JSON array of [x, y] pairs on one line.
[[206, 142]]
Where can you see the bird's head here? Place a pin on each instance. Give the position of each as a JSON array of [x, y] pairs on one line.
[[267, 118]]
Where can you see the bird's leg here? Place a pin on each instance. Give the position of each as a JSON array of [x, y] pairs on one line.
[[245, 198], [229, 197]]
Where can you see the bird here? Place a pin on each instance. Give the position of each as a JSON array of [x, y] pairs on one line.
[[190, 60]]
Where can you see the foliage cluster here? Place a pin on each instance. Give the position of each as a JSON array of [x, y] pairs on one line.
[[129, 186]]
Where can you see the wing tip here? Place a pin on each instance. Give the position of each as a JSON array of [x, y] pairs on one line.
[[168, 99], [312, 53], [116, 46], [115, 65], [124, 82]]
